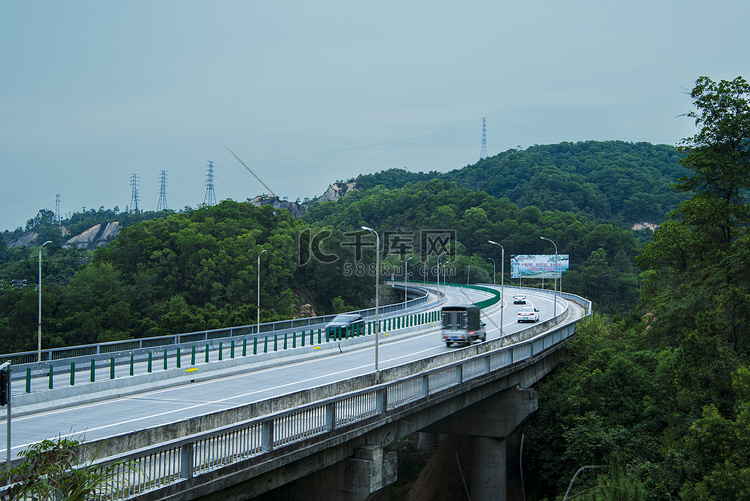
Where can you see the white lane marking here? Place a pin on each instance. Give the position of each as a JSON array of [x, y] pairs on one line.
[[214, 402]]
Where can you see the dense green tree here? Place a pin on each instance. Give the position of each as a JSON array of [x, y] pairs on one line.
[[697, 254]]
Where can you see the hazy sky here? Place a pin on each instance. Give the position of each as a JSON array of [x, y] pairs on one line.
[[310, 92]]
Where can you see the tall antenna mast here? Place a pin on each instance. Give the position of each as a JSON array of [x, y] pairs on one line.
[[58, 218], [134, 196], [483, 151], [162, 205], [210, 197]]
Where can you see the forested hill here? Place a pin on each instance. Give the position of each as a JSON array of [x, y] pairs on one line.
[[617, 181]]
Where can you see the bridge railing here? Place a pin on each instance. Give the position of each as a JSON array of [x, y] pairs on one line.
[[134, 345], [166, 465]]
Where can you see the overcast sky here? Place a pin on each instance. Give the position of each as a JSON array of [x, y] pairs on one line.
[[310, 92]]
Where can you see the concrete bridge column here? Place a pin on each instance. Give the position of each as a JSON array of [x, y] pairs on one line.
[[489, 422], [488, 468], [367, 476]]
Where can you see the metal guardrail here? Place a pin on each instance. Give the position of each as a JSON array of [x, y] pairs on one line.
[[131, 345], [170, 463]]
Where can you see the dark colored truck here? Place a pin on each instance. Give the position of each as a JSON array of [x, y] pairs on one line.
[[461, 324]]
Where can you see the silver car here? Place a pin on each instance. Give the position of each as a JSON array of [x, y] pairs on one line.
[[528, 314]]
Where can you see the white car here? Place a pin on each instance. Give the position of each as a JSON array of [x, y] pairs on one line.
[[519, 299], [528, 314]]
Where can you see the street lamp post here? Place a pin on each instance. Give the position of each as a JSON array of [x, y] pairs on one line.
[[39, 326], [438, 271], [377, 296], [257, 329], [406, 279], [493, 270], [502, 284], [553, 243]]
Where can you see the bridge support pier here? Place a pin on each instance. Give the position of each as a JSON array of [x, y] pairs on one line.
[[365, 477], [488, 423]]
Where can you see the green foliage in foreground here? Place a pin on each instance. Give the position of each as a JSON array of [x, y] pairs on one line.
[[676, 418], [668, 392], [51, 470]]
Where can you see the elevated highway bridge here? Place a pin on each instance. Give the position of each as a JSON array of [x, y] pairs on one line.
[[312, 422]]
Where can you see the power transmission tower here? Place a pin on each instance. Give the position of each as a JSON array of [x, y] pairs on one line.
[[483, 151], [210, 197], [134, 196], [58, 218], [162, 205]]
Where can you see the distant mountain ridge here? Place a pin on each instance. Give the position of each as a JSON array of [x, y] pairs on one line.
[[622, 182], [626, 183]]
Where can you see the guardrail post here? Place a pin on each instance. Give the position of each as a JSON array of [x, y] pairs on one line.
[[319, 337], [330, 416], [381, 401], [93, 370], [178, 357], [50, 376], [192, 356], [132, 365], [72, 373], [303, 338], [231, 350], [244, 347], [255, 346], [265, 345], [266, 440], [165, 359], [206, 352], [294, 339], [28, 380], [186, 460], [150, 359], [112, 368], [285, 340], [221, 351], [275, 342]]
